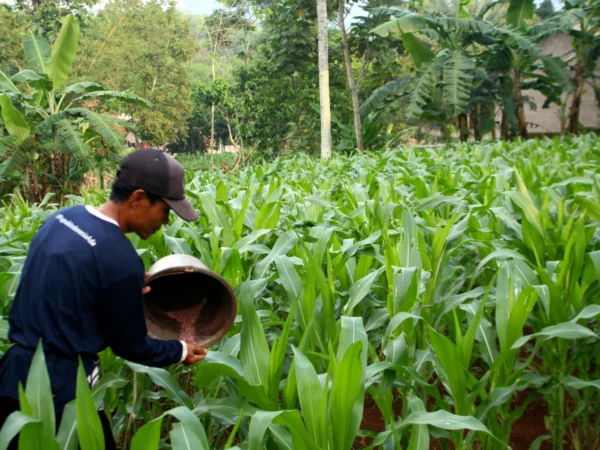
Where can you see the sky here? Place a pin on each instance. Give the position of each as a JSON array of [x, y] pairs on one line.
[[198, 6], [193, 6], [207, 6]]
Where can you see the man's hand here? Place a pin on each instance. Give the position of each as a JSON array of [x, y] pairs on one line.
[[146, 289], [195, 354]]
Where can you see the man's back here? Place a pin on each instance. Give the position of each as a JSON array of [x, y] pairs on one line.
[[80, 284], [64, 271]]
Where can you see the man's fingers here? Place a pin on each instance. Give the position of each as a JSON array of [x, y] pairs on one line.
[[145, 290], [195, 354]]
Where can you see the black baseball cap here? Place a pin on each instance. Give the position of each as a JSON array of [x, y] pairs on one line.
[[158, 173]]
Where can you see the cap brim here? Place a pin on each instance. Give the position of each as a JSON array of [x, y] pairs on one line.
[[183, 209]]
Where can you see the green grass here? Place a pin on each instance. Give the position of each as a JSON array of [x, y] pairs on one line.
[[456, 277], [202, 161]]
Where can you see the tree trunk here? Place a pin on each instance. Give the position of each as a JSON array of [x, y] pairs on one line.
[[463, 127], [504, 127], [519, 105], [476, 122], [212, 111], [324, 79], [212, 127], [351, 84], [576, 102], [446, 132]]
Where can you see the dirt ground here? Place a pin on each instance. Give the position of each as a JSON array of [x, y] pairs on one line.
[[524, 431]]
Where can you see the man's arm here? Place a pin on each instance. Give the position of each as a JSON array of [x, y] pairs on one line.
[[121, 307]]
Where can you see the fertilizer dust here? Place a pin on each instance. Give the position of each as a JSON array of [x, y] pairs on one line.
[[174, 308], [187, 319]]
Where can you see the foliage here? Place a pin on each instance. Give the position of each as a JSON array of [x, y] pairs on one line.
[[444, 84], [460, 278], [143, 46], [545, 9], [12, 28], [46, 16], [52, 134]]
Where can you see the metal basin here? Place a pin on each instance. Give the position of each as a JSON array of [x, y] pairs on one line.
[[179, 282]]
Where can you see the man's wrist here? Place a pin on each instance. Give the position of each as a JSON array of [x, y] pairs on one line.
[[183, 352]]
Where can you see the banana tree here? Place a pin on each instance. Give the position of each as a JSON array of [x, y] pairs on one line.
[[51, 134], [519, 63], [581, 21], [444, 82]]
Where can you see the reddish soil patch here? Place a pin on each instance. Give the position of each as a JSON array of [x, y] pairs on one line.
[[373, 420], [530, 425], [524, 431]]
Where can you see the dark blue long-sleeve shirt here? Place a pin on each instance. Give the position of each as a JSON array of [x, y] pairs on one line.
[[80, 292]]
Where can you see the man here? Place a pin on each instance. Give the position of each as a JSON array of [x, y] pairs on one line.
[[81, 288]]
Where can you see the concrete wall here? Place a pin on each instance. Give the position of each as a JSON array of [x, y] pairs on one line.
[[547, 120]]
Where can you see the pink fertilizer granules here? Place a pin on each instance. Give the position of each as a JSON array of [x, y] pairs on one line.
[[187, 318]]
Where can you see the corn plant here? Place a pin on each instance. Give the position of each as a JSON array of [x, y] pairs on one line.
[[452, 280]]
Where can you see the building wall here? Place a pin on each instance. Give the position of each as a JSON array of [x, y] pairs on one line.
[[548, 120]]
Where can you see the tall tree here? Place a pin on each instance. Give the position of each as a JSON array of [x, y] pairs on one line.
[[218, 30], [323, 46], [13, 26], [145, 46], [586, 46], [352, 85], [46, 15], [545, 10]]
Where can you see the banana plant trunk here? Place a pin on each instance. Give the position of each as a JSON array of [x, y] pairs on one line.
[[576, 102], [463, 126], [476, 122], [519, 104], [351, 83], [323, 48]]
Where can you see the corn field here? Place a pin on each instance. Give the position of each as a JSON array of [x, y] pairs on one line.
[[447, 289]]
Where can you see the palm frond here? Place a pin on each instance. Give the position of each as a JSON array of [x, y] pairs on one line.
[[387, 11], [55, 118], [80, 112], [6, 142], [33, 79], [375, 99], [405, 22], [519, 11], [458, 76], [516, 39], [18, 157], [108, 96], [418, 50], [481, 14], [560, 23], [73, 140], [424, 84], [555, 67], [79, 88], [102, 126], [465, 25], [6, 83]]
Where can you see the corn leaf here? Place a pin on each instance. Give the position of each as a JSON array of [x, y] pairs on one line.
[[254, 350], [164, 379], [347, 398], [39, 392], [89, 428], [148, 436]]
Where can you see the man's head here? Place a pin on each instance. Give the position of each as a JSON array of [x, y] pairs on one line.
[[148, 185]]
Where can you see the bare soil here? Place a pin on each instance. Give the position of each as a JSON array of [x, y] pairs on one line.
[[524, 431]]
